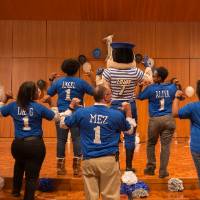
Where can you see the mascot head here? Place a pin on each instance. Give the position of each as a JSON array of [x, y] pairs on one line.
[[122, 56]]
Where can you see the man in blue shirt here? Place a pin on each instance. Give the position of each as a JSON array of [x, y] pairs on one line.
[[191, 111], [161, 123], [67, 88], [100, 129]]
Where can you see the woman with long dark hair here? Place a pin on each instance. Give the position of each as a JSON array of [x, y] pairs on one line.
[[28, 148]]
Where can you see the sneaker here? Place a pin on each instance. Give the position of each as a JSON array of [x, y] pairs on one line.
[[163, 175], [15, 194], [149, 171]]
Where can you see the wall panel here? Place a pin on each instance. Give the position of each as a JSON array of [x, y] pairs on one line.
[[5, 73], [194, 72], [27, 69], [91, 37], [29, 38], [172, 40], [6, 27], [63, 38], [194, 40]]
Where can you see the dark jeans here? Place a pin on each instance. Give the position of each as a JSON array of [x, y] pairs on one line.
[[62, 135], [162, 127], [29, 156], [196, 159], [129, 139]]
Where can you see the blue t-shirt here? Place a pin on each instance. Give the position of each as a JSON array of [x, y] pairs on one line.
[[67, 88], [192, 111], [27, 123], [160, 97], [100, 129]]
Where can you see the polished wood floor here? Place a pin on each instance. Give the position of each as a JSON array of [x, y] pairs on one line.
[[79, 195], [180, 166]]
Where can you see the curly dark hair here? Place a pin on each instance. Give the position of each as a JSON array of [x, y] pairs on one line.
[[162, 73], [70, 66]]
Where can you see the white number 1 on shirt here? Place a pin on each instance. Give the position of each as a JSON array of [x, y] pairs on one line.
[[97, 139], [162, 104], [68, 95], [26, 124]]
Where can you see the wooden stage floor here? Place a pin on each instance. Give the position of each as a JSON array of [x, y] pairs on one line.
[[180, 166]]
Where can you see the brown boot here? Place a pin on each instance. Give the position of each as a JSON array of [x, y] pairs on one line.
[[61, 166], [77, 166]]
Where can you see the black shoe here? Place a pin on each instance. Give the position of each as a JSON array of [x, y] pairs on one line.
[[15, 194], [131, 169], [163, 175], [149, 171]]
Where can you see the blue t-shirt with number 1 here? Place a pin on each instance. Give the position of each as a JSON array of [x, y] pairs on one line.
[[160, 98], [27, 122], [67, 88], [100, 129]]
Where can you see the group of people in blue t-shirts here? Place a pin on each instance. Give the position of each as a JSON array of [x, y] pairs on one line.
[[95, 130]]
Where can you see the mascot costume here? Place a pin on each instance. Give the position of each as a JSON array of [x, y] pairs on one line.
[[122, 76]]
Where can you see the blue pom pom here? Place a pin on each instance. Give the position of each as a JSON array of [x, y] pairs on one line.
[[46, 184], [141, 185], [128, 189], [96, 53]]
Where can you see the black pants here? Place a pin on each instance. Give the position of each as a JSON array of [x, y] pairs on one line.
[[29, 156]]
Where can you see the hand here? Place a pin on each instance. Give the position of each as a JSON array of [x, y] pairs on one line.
[[54, 75], [126, 106], [179, 93], [74, 103], [90, 73], [9, 95]]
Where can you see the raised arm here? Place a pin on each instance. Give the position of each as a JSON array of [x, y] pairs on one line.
[[175, 105]]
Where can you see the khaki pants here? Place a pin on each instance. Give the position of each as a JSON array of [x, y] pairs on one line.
[[101, 176]]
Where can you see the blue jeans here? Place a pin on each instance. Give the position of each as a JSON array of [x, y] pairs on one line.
[[196, 159], [129, 139], [62, 135]]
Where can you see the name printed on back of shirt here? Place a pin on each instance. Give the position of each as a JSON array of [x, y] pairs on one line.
[[23, 112], [66, 84], [162, 94], [98, 119]]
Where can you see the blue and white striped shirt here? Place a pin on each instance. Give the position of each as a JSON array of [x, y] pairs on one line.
[[123, 82]]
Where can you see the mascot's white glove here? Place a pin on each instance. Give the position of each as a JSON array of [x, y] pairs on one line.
[[132, 123], [67, 113], [127, 108]]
